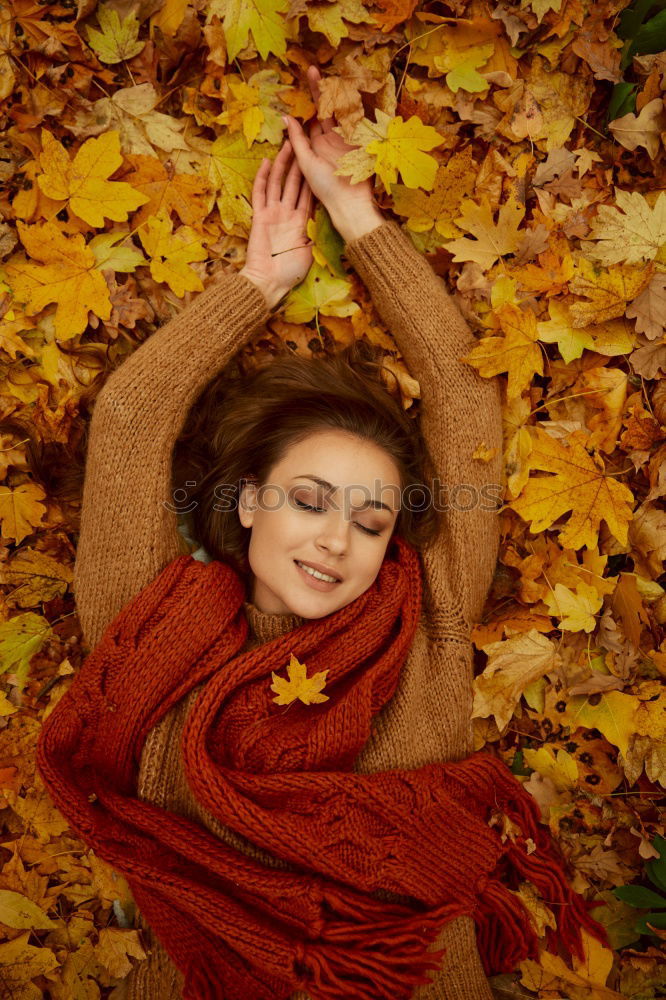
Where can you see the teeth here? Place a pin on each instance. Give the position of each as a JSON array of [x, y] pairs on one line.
[[316, 573]]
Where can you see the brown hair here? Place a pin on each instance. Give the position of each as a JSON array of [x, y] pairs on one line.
[[243, 425]]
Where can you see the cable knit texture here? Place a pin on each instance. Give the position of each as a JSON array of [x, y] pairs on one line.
[[129, 535]]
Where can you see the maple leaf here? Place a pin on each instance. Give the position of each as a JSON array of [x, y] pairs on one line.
[[649, 308], [255, 109], [20, 963], [118, 40], [34, 576], [570, 341], [319, 292], [391, 146], [171, 253], [20, 638], [21, 510], [299, 685], [261, 18], [328, 18], [630, 232], [575, 609], [132, 113], [425, 210], [645, 129], [67, 275], [16, 910], [513, 664], [492, 241], [608, 291], [184, 194], [84, 180], [577, 483], [114, 947], [516, 352]]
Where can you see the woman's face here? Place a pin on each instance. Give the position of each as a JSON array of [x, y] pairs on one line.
[[345, 536]]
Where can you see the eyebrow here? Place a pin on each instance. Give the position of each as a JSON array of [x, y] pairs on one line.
[[377, 504]]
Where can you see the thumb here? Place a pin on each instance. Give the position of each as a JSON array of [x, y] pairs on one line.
[[299, 141]]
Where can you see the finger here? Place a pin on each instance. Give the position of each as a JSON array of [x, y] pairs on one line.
[[274, 188], [313, 77], [259, 185], [292, 185], [305, 201], [299, 141]]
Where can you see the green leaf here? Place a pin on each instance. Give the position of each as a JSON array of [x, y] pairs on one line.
[[637, 895], [656, 919], [623, 100], [125, 258], [652, 36], [20, 638], [118, 40], [632, 17], [656, 869]]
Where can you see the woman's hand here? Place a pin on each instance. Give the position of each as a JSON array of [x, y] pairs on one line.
[[279, 254], [350, 206]]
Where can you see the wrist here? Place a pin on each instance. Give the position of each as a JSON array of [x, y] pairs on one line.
[[353, 223], [272, 293]]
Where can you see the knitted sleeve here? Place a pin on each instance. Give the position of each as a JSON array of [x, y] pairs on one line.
[[128, 518], [459, 411]]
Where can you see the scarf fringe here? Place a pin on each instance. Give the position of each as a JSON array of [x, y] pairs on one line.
[[368, 956]]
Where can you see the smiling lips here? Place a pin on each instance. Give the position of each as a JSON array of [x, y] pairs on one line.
[[307, 571]]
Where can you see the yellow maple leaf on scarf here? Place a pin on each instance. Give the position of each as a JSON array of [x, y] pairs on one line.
[[299, 685], [84, 181]]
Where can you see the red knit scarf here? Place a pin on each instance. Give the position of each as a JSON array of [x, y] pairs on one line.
[[284, 779]]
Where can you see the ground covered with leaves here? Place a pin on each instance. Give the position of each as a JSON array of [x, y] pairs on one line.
[[521, 147]]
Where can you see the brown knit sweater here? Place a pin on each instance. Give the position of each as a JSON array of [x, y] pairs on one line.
[[128, 536]]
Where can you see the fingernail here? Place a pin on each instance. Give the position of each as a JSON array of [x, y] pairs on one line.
[[285, 119]]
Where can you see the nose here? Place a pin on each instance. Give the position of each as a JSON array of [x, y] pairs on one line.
[[333, 533]]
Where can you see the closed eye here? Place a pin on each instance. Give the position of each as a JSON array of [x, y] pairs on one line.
[[321, 510]]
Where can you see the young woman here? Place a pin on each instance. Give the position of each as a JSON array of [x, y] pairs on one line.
[[317, 849]]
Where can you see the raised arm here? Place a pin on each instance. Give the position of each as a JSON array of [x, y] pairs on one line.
[[459, 411], [127, 533]]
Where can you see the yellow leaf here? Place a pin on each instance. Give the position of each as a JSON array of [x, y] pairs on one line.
[[166, 190], [169, 16], [84, 180], [34, 577], [21, 510], [558, 330], [608, 291], [171, 253], [425, 210], [118, 40], [328, 18], [578, 483], [576, 611], [516, 352], [464, 76], [20, 963], [114, 948], [644, 129], [66, 275], [390, 147], [612, 713], [585, 982], [513, 664], [557, 765], [492, 240], [261, 18], [307, 689], [20, 638], [631, 231], [16, 910], [319, 292]]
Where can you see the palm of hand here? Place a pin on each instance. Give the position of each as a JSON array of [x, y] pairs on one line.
[[329, 147], [276, 229]]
